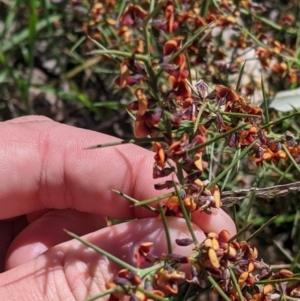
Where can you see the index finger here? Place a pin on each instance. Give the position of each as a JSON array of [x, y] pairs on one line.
[[43, 164]]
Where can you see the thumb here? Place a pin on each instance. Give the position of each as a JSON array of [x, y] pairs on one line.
[[71, 271], [46, 231]]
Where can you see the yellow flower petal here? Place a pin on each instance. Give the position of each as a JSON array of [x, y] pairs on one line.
[[213, 258]]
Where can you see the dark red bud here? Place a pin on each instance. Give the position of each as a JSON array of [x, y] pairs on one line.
[[183, 242]]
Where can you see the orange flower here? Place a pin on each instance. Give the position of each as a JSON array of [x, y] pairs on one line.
[[125, 78], [274, 156], [141, 128], [97, 11], [117, 295], [173, 206], [176, 74], [282, 274], [214, 252], [147, 123], [270, 152], [264, 56], [262, 296], [280, 68], [167, 279], [247, 137], [160, 156], [176, 148], [168, 24], [190, 204], [225, 94], [215, 191], [171, 24], [287, 20], [142, 102], [183, 91], [295, 152], [142, 253]]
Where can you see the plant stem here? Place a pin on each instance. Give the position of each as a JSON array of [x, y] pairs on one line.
[[231, 165], [111, 257]]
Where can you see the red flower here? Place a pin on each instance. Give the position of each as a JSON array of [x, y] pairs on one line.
[[160, 156], [247, 137], [179, 73], [225, 94], [142, 253], [133, 15], [125, 78]]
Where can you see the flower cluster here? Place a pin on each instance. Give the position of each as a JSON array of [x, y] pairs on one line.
[[272, 38], [184, 148], [165, 278], [233, 265], [126, 284]]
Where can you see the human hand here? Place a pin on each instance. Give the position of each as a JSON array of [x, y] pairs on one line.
[[48, 183]]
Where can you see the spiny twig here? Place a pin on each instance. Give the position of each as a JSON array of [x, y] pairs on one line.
[[232, 197]]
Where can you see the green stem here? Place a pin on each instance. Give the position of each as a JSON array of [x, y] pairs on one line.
[[248, 209], [280, 120], [119, 53], [235, 283], [291, 157], [186, 217], [187, 44], [155, 199], [179, 173], [111, 257], [204, 8], [98, 296], [240, 76], [268, 22], [289, 59], [265, 101], [193, 149], [242, 115], [237, 235], [199, 116], [23, 35], [134, 201], [129, 141], [218, 288], [148, 64], [285, 253], [231, 165], [153, 11], [262, 227], [284, 175], [166, 228], [144, 272], [267, 281]]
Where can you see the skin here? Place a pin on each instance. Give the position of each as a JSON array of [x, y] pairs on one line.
[[48, 182]]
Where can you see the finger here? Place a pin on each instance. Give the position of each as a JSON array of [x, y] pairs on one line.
[[43, 164], [63, 175], [47, 231], [29, 118], [215, 222], [9, 229], [72, 271]]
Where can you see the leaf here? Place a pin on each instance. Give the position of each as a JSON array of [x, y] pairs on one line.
[[23, 35], [284, 101]]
